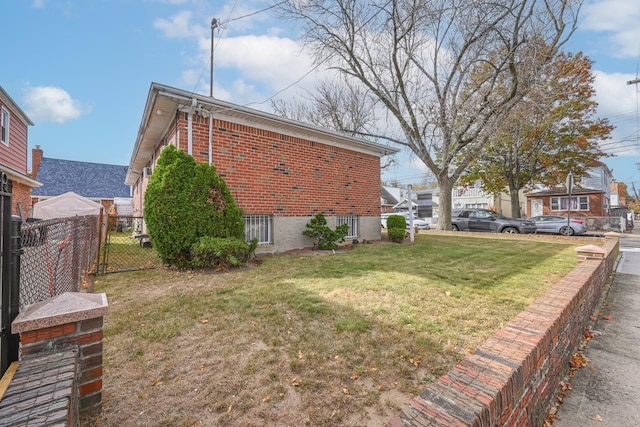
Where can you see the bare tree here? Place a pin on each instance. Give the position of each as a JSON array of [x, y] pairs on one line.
[[446, 72], [338, 105]]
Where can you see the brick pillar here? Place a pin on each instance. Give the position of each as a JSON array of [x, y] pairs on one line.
[[72, 319]]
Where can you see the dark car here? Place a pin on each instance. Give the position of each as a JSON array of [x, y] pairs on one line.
[[485, 220], [558, 225]]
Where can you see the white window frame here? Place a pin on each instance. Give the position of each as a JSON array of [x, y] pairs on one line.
[[5, 123], [260, 227], [352, 222], [578, 203]]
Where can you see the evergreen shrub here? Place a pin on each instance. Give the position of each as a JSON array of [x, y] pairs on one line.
[[324, 237]]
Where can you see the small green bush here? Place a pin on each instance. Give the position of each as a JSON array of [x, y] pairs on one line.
[[221, 253], [323, 237], [397, 234], [396, 221]]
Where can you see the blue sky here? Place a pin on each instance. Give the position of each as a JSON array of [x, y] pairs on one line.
[[82, 69]]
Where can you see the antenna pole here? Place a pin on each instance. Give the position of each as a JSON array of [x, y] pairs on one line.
[[214, 25]]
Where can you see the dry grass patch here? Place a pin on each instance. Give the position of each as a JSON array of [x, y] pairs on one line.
[[343, 339]]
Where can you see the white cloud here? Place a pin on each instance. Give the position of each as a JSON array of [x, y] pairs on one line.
[[38, 4], [619, 19], [618, 102], [271, 60], [52, 104], [179, 26]]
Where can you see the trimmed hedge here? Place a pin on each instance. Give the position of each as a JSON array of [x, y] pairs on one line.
[[186, 202], [221, 253], [397, 221], [397, 234]]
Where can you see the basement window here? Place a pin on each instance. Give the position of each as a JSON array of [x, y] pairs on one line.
[[259, 227], [352, 222]]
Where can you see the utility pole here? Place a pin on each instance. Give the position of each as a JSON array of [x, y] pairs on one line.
[[214, 25], [410, 197], [633, 82]]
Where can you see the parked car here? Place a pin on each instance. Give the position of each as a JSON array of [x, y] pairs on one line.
[[485, 220], [420, 223], [557, 224]]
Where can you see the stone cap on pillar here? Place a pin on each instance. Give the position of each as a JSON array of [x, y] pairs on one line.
[[590, 252], [65, 308]]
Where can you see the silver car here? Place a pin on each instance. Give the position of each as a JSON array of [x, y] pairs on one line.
[[419, 223], [557, 224]]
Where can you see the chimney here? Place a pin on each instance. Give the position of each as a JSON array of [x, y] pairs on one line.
[[36, 160]]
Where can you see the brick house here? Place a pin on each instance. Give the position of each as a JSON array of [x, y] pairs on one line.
[[99, 182], [14, 138], [589, 197], [280, 172]]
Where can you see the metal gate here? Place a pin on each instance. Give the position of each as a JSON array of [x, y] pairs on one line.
[[127, 248], [9, 268]]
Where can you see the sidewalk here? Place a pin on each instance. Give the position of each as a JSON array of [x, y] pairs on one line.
[[606, 393]]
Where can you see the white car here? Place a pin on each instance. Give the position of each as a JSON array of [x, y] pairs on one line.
[[420, 223]]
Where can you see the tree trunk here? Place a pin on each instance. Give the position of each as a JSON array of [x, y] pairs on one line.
[[515, 202], [444, 209]]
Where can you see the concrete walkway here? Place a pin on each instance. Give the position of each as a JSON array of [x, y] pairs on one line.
[[606, 393]]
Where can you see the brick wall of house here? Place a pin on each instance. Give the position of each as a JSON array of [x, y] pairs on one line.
[[596, 206], [273, 173], [21, 200]]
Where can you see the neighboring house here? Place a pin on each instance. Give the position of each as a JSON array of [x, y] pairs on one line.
[[281, 172], [395, 200], [95, 181], [589, 197], [14, 140]]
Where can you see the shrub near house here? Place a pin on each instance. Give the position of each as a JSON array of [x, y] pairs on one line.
[[397, 226], [191, 215]]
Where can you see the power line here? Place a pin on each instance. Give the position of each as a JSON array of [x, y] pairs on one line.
[[253, 13]]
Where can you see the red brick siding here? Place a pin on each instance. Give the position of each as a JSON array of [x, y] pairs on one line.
[[272, 173], [21, 196], [596, 205], [15, 155]]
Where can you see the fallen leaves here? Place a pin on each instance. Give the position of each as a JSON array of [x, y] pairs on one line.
[[578, 361]]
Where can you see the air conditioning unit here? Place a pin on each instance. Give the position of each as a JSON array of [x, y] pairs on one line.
[[147, 172]]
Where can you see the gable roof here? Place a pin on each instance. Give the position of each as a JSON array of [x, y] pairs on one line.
[[91, 180], [6, 99], [163, 102]]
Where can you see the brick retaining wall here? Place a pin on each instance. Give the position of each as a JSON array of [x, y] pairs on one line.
[[513, 378]]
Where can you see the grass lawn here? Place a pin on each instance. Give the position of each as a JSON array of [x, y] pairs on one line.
[[125, 253], [339, 339]]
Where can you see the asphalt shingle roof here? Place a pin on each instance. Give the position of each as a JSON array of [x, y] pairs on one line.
[[91, 180]]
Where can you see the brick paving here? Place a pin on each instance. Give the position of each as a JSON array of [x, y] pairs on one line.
[[42, 393]]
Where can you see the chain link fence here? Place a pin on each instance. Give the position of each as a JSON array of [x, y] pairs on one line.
[[127, 247], [605, 223], [58, 255]]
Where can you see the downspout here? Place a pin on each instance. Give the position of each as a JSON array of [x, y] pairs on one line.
[[177, 124], [190, 133], [194, 104], [210, 138]]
